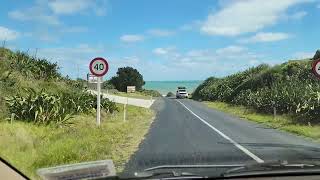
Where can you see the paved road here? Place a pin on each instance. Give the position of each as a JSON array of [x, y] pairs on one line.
[[124, 100], [188, 132]]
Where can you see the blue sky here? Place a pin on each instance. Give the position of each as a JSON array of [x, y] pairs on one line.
[[164, 40]]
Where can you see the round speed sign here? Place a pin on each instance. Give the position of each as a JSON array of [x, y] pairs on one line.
[[316, 68], [99, 67]]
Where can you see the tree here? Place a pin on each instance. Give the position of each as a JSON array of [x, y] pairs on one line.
[[317, 55], [127, 76], [107, 85]]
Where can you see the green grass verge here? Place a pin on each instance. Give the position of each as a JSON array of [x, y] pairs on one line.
[[29, 147], [282, 122]]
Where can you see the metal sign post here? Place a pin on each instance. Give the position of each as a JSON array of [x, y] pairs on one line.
[[99, 67], [98, 101]]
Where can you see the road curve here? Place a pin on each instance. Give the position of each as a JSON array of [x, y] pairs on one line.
[[188, 132]]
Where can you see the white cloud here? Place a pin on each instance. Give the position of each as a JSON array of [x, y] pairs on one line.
[[131, 38], [8, 34], [48, 12], [206, 57], [75, 29], [266, 37], [38, 12], [230, 50], [246, 16], [191, 26], [298, 15], [30, 15], [160, 32], [68, 7], [201, 63], [69, 58], [303, 55], [160, 51]]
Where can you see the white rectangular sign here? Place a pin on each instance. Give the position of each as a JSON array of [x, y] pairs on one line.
[[131, 89], [93, 79]]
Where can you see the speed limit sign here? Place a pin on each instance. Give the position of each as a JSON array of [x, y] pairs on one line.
[[316, 68], [99, 67]]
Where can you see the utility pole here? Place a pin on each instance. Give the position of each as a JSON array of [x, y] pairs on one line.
[[35, 54], [78, 71], [3, 43]]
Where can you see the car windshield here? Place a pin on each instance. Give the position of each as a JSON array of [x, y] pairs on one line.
[[142, 87]]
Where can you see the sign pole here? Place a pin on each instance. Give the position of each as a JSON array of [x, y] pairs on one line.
[[124, 112], [98, 100], [99, 67]]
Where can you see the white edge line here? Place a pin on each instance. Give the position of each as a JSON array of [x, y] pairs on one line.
[[243, 149]]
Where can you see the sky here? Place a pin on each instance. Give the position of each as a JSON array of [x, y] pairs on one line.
[[163, 39]]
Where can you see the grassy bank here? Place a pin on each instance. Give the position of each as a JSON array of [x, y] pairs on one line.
[[29, 147], [53, 118], [281, 122], [290, 87]]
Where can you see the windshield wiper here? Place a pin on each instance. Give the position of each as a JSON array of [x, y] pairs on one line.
[[146, 174], [279, 167], [195, 166]]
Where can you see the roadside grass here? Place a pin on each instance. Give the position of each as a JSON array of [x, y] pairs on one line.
[[136, 94], [282, 122], [29, 147]]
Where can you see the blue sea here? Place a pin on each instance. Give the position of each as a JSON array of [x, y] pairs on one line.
[[171, 86]]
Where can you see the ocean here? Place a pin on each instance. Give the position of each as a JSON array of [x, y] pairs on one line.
[[171, 86]]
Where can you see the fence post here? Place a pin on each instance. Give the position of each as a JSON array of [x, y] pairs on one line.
[[274, 110], [12, 118]]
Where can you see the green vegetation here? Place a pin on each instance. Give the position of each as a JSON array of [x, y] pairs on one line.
[[282, 122], [147, 92], [317, 55], [289, 87], [43, 106], [29, 147], [43, 115], [127, 76], [170, 94]]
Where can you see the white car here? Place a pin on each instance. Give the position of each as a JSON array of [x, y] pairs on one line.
[[182, 93]]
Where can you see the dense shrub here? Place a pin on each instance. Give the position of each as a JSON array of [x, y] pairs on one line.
[[317, 55], [33, 67], [44, 108], [148, 92], [170, 94], [107, 85], [290, 87]]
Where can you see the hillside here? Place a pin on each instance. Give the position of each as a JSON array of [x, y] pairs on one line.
[[43, 114], [289, 87]]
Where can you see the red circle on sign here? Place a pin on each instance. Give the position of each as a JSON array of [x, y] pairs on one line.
[[105, 70], [314, 66]]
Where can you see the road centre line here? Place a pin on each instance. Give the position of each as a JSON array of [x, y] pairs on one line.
[[243, 149]]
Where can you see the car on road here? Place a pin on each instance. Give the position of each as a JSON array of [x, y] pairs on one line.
[[182, 93]]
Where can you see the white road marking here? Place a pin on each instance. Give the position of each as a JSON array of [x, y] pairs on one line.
[[243, 149]]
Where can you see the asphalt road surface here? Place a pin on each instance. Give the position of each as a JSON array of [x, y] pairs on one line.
[[187, 132]]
